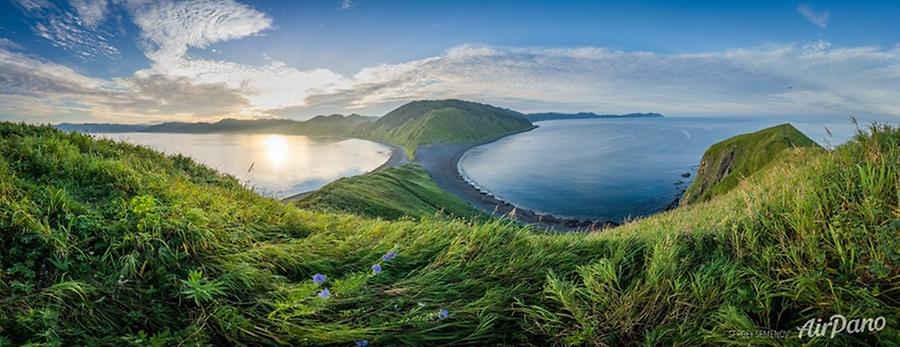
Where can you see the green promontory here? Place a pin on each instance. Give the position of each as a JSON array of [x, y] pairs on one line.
[[448, 121], [726, 163]]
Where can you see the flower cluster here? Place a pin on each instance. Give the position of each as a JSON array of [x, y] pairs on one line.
[[319, 279], [376, 269]]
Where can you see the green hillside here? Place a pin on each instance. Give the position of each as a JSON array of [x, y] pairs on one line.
[[105, 243], [449, 121], [404, 191], [728, 162]]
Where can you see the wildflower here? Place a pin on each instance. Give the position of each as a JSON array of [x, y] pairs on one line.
[[325, 293], [389, 255], [318, 278], [443, 313], [376, 268], [362, 343]]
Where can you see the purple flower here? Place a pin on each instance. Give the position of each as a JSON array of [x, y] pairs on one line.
[[376, 268], [443, 313], [318, 278], [325, 293], [362, 343], [389, 255]]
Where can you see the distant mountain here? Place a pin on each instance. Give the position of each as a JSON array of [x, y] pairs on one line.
[[727, 162], [101, 127], [331, 125], [225, 125], [448, 121], [537, 117]]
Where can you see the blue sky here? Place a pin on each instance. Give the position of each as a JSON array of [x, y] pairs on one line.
[[145, 61]]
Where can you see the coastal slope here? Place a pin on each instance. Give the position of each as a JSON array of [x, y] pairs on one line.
[[393, 193], [728, 162], [106, 243]]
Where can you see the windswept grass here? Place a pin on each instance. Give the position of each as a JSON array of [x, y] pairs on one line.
[[107, 243]]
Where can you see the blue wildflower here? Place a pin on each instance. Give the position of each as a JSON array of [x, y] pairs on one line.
[[443, 313], [318, 278], [325, 293], [362, 343], [389, 255], [376, 268]]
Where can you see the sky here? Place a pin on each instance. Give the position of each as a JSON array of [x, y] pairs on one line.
[[143, 61]]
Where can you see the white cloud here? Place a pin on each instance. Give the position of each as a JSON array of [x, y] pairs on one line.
[[36, 89], [91, 12], [787, 79], [820, 19], [346, 4], [168, 28]]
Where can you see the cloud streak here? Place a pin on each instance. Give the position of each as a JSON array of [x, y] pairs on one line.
[[820, 19]]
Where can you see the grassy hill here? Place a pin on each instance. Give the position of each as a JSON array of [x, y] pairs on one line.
[[727, 162], [448, 121], [404, 191], [111, 244]]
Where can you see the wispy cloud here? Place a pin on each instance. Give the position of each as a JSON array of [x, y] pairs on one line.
[[73, 28], [820, 19], [346, 4], [168, 28]]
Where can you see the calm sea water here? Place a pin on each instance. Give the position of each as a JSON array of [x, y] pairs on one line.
[[283, 165], [608, 168]]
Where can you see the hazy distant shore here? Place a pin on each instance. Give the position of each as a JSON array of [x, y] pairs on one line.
[[441, 162]]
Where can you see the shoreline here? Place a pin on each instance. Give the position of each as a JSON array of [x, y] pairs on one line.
[[397, 158], [441, 161]]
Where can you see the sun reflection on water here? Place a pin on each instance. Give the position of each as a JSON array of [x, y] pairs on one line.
[[276, 148]]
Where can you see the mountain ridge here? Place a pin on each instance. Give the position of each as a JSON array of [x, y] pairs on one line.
[[544, 116]]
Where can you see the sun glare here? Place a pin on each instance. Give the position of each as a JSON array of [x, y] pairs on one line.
[[276, 147]]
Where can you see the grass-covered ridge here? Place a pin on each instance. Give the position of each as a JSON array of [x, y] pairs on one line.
[[447, 121], [404, 191], [114, 244], [728, 162]]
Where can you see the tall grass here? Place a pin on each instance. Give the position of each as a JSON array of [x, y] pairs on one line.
[[107, 243]]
